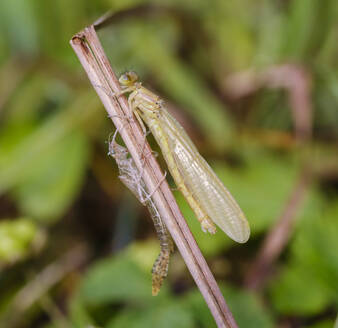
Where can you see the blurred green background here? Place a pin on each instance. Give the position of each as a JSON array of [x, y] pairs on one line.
[[255, 83]]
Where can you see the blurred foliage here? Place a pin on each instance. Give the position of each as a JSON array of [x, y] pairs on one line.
[[104, 284], [58, 188], [313, 255], [17, 239]]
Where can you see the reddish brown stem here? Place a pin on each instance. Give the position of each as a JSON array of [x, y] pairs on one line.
[[93, 59], [293, 78], [278, 237]]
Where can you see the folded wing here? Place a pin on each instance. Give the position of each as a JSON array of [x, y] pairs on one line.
[[215, 200]]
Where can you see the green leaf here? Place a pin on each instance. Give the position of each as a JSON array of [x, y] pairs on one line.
[[297, 292], [298, 26], [78, 313], [247, 308], [315, 247], [307, 284], [306, 28], [17, 18], [114, 280], [50, 186], [21, 147], [26, 105], [16, 239], [165, 315]]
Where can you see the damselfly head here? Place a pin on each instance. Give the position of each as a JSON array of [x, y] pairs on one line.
[[128, 78]]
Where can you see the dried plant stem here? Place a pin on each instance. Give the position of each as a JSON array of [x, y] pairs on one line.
[[90, 52]]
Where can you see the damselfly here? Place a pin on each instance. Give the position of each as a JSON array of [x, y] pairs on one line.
[[205, 193]]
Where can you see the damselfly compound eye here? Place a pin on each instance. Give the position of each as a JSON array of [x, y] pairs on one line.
[[128, 78], [124, 79], [132, 76]]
